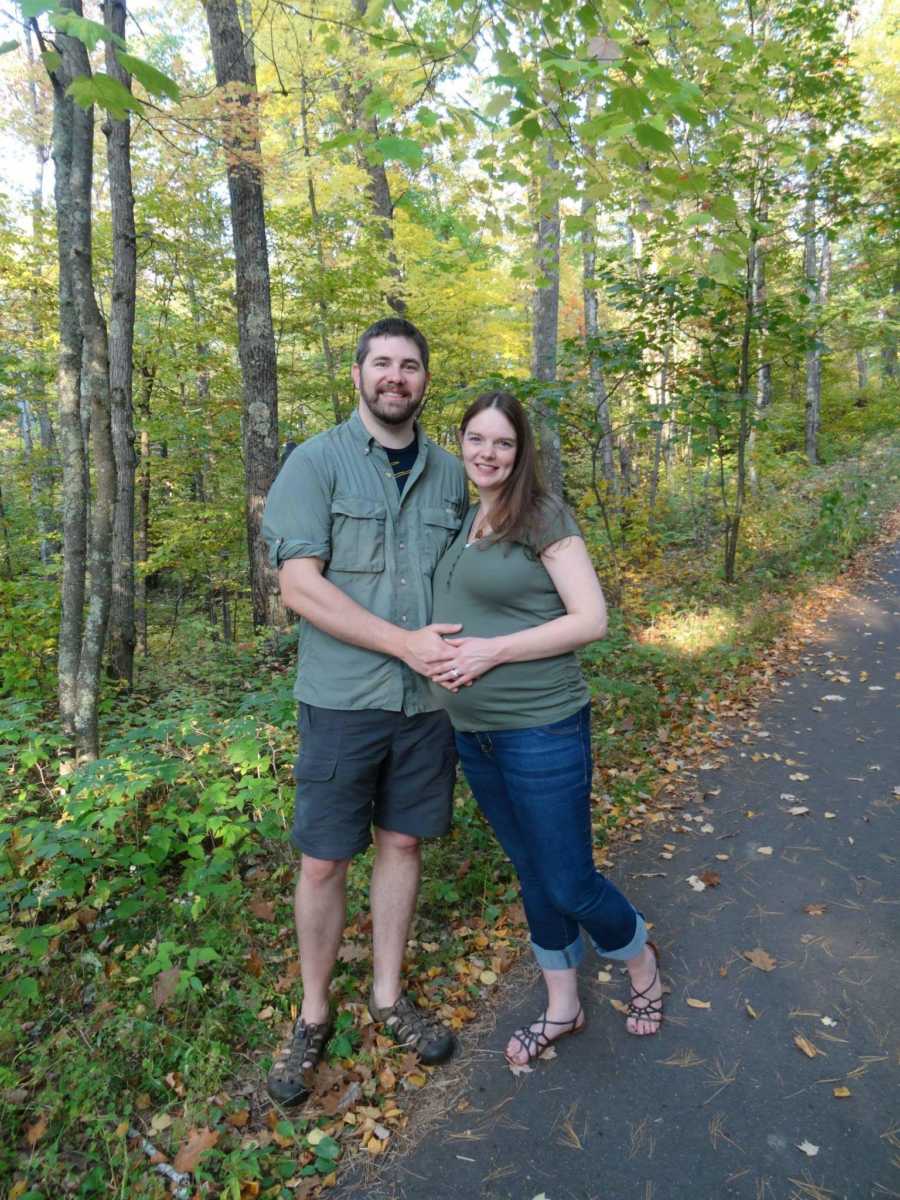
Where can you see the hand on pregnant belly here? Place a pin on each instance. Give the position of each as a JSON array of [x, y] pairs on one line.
[[472, 658]]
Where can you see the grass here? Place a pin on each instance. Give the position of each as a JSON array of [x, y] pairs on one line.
[[146, 948]]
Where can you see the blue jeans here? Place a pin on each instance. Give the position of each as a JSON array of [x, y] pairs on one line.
[[534, 786]]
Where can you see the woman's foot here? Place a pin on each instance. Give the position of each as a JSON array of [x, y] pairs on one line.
[[645, 1010], [532, 1040]]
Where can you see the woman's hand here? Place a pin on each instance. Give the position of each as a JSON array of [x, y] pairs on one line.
[[472, 658]]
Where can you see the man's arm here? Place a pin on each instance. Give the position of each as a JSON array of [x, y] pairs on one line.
[[305, 591]]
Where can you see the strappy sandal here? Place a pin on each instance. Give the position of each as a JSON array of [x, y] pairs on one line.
[[650, 1010], [409, 1026], [535, 1041], [290, 1080]]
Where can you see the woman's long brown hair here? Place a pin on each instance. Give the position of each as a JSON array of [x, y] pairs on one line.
[[520, 509]]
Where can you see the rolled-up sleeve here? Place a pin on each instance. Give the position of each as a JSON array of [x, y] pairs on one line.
[[297, 516]]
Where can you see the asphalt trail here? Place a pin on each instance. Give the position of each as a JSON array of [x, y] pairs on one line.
[[719, 1103]]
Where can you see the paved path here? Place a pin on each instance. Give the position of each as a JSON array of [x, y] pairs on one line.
[[719, 1103]]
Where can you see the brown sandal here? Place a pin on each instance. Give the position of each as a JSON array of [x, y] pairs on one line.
[[650, 1010], [535, 1041], [290, 1080]]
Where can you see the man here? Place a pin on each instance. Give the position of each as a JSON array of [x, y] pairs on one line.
[[356, 521]]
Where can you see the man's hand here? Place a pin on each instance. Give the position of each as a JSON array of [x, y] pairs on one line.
[[425, 649]]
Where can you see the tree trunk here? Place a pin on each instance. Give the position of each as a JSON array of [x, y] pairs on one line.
[[662, 400], [862, 370], [889, 350], [378, 187], [83, 375], [142, 544], [763, 365], [256, 340], [545, 322], [599, 394], [323, 321], [120, 653], [813, 358]]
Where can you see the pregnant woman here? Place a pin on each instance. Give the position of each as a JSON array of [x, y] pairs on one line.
[[520, 580]]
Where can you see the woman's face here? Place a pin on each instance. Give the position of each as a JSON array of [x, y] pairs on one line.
[[489, 449]]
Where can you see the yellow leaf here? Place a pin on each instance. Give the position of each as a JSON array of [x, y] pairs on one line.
[[416, 1080], [488, 977], [315, 1136], [841, 1093], [692, 1003], [17, 1189], [761, 959], [618, 1005], [806, 1046], [751, 1011], [121, 1129]]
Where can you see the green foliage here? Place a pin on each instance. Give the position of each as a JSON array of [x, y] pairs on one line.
[[100, 88]]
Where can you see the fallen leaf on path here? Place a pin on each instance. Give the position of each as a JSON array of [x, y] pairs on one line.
[[264, 909], [764, 850], [198, 1141], [829, 816], [750, 1010], [806, 1046], [488, 977], [723, 857], [815, 910], [160, 1122], [707, 828], [237, 1120], [840, 1093], [548, 1054], [164, 986], [618, 1005], [834, 697], [352, 952], [696, 883], [518, 1069], [798, 776], [692, 1003], [829, 1022], [798, 810], [759, 958], [808, 1148], [711, 878], [34, 1133]]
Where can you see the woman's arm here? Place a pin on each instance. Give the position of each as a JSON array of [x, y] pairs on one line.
[[569, 566]]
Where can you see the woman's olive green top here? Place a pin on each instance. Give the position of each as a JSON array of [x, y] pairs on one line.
[[497, 588]]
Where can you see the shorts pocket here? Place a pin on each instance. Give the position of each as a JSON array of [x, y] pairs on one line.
[[357, 534], [312, 769]]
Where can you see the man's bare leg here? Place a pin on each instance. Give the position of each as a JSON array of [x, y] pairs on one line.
[[392, 895], [319, 905]]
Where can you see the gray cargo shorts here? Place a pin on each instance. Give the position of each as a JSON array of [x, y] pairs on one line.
[[370, 767]]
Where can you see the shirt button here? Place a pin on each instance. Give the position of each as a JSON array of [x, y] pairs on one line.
[[403, 545], [403, 581], [403, 618]]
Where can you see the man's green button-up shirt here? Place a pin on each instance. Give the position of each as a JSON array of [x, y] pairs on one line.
[[336, 499]]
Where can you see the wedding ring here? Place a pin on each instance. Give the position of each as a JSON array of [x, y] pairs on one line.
[[455, 672]]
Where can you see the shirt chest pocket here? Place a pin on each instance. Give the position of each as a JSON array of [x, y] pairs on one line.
[[440, 526], [357, 534]]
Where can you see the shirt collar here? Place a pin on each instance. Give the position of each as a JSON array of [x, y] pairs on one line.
[[366, 440]]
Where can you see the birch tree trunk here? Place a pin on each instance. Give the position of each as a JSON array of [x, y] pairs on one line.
[[83, 383], [120, 653], [545, 319], [256, 339], [813, 360], [599, 393]]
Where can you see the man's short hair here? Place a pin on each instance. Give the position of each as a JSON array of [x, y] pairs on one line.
[[392, 327]]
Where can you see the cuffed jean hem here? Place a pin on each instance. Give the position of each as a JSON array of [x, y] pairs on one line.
[[559, 960], [634, 947]]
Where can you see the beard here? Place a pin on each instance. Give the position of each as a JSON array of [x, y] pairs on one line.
[[391, 414]]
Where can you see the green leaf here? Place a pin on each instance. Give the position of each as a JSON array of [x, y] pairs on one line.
[[34, 8], [651, 137], [531, 128], [697, 218], [5, 47], [399, 149], [328, 1148], [91, 33], [152, 80], [102, 89], [426, 117], [630, 100], [724, 207], [52, 60]]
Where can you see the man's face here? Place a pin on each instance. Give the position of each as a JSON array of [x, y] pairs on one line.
[[392, 380]]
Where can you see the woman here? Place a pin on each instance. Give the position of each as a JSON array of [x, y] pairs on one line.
[[519, 579]]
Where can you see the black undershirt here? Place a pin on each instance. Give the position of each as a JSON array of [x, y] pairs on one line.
[[402, 461]]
